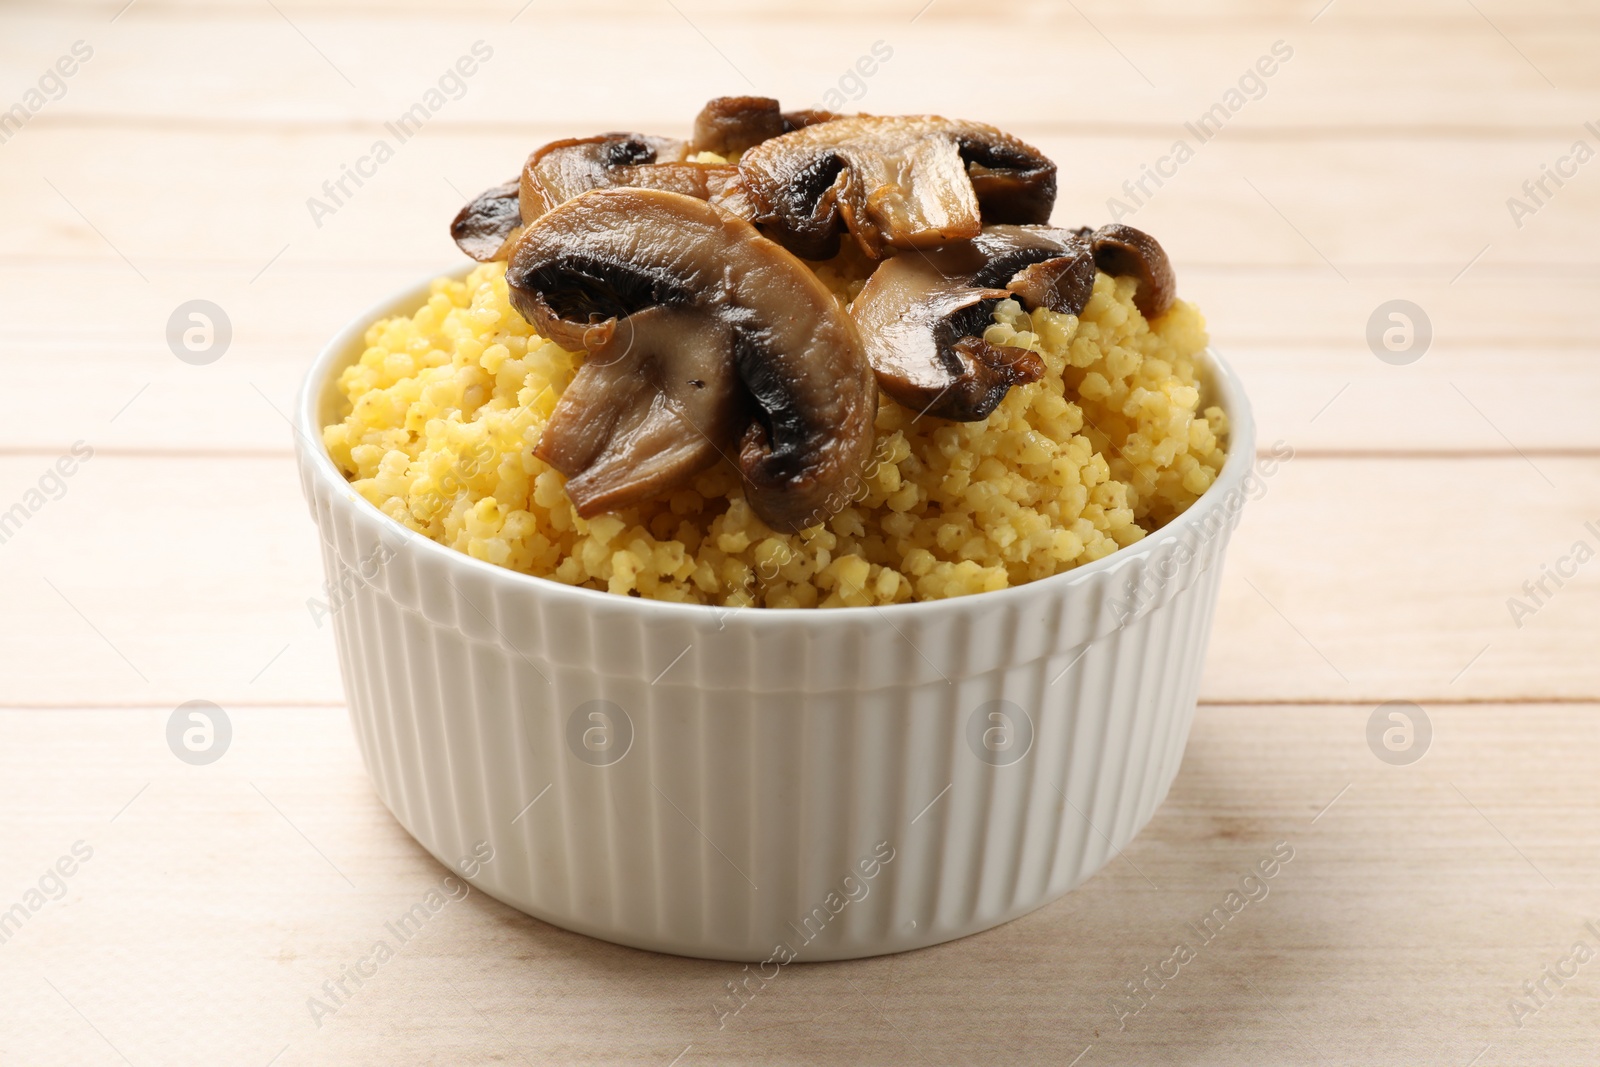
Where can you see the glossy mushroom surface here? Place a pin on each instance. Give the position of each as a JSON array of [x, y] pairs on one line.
[[923, 315], [731, 124], [562, 170], [490, 223], [728, 125], [1122, 251], [1042, 266], [894, 182], [704, 339]]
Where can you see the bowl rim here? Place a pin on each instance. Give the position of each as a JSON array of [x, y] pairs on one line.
[[313, 455]]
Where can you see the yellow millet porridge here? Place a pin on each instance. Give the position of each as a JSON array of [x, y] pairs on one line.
[[445, 408]]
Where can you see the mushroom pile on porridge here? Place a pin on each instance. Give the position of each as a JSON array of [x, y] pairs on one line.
[[798, 360]]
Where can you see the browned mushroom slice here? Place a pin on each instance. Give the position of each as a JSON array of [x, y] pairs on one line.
[[1014, 183], [732, 124], [1123, 251], [1062, 284], [729, 124], [733, 197], [488, 226], [923, 315], [562, 170], [923, 331], [806, 116], [695, 322], [910, 181], [1042, 266], [655, 402]]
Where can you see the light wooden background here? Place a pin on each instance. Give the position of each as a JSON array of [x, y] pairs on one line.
[[1377, 567]]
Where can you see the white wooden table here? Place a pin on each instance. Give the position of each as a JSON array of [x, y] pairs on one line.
[[1383, 562]]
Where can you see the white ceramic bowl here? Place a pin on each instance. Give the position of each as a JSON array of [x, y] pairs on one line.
[[760, 784]]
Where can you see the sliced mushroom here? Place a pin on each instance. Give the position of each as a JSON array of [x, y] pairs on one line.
[[924, 335], [911, 181], [1122, 251], [729, 124], [563, 169], [695, 325], [490, 224], [655, 402], [806, 116], [1063, 284], [1014, 182], [923, 315], [1042, 266], [732, 124], [734, 198]]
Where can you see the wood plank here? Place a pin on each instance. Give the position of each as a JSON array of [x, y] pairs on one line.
[[1142, 13], [1392, 579], [1327, 204], [217, 918], [1458, 397], [285, 301], [1438, 63], [155, 580]]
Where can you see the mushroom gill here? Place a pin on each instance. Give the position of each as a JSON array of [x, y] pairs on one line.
[[895, 182], [923, 315], [703, 338]]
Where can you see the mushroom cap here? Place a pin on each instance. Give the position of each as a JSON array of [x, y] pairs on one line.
[[490, 223], [1122, 251], [807, 116], [564, 169], [728, 125], [895, 182], [923, 315], [704, 337]]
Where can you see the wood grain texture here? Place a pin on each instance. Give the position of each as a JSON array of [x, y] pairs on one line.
[[1380, 563], [1417, 902], [1356, 64], [1359, 203]]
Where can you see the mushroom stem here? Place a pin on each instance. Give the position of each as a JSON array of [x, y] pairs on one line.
[[632, 423]]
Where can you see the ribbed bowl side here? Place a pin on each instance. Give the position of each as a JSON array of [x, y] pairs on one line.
[[719, 784], [741, 818]]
